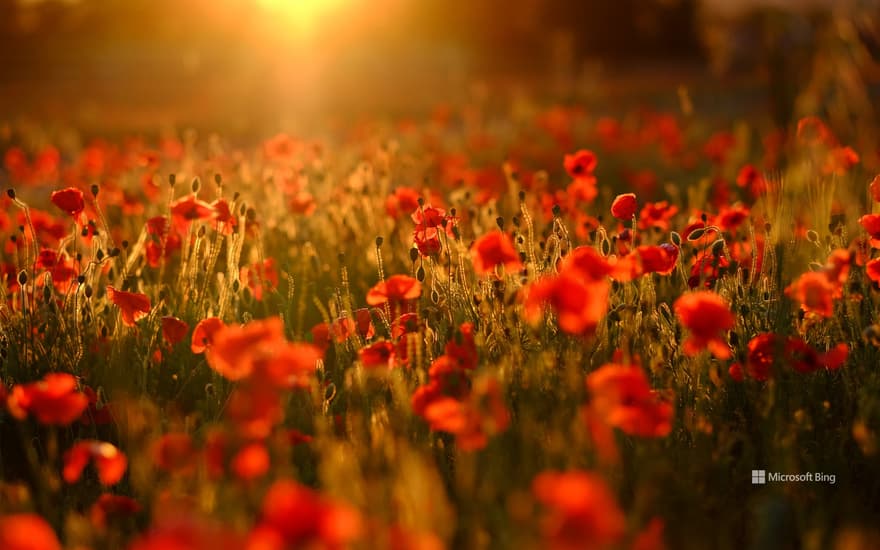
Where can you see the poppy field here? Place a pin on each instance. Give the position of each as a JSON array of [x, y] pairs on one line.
[[553, 327]]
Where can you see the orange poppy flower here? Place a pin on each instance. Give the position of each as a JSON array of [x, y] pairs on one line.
[[134, 306], [624, 206], [814, 292], [707, 316], [237, 348], [395, 289], [110, 462], [582, 513], [53, 400], [493, 249], [871, 223], [27, 532]]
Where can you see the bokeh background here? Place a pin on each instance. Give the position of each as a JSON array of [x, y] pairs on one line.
[[246, 64]]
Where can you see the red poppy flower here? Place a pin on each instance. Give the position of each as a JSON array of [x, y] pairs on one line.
[[750, 178], [402, 202], [622, 397], [174, 452], [656, 214], [109, 507], [707, 316], [203, 335], [581, 190], [187, 209], [581, 163], [69, 200], [872, 269], [588, 262], [173, 329], [180, 530], [288, 365], [134, 306], [624, 206], [493, 249], [53, 400], [27, 532], [871, 223], [379, 354], [719, 146], [255, 410], [731, 217], [302, 517], [658, 259], [579, 304], [811, 130], [840, 160], [764, 349], [110, 462], [251, 462], [260, 278], [395, 289], [581, 510]]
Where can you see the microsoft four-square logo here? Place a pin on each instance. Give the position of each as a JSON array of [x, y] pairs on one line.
[[759, 477]]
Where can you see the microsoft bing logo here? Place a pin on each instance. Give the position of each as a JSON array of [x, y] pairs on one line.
[[759, 477]]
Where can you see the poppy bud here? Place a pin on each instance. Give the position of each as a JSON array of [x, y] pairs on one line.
[[11, 193], [500, 221], [81, 279], [218, 179], [413, 254], [196, 184], [556, 210], [22, 277], [522, 196], [94, 189], [125, 244], [696, 234], [172, 179], [379, 241], [675, 238], [89, 291], [420, 274]]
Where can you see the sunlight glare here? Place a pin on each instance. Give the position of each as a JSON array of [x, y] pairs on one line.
[[303, 16]]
